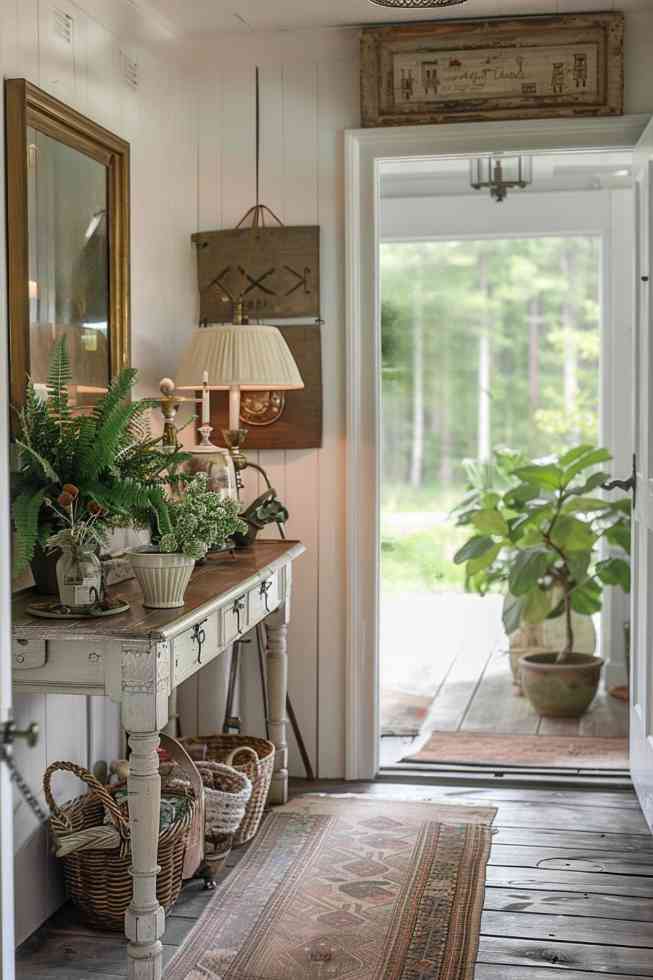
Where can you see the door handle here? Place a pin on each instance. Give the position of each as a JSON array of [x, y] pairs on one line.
[[629, 485], [10, 733]]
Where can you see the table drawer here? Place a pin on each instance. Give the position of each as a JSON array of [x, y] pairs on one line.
[[194, 647], [265, 598], [28, 654], [236, 618]]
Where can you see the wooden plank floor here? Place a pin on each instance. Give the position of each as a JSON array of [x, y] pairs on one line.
[[569, 892]]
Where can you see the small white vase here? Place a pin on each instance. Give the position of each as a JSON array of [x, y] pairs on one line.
[[162, 578], [79, 578]]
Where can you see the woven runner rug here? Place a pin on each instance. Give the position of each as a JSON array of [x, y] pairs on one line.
[[547, 751], [348, 887]]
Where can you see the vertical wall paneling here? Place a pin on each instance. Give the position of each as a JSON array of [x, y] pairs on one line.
[[309, 96]]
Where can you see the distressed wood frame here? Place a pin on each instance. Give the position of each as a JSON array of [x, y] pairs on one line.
[[26, 105], [379, 45]]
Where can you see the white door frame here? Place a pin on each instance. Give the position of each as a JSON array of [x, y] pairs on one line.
[[365, 150]]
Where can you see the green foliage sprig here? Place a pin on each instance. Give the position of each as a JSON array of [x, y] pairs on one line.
[[200, 521], [538, 536], [109, 455]]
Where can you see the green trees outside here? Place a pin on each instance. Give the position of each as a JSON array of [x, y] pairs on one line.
[[485, 344]]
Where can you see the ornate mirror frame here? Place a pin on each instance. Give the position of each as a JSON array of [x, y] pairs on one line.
[[29, 106]]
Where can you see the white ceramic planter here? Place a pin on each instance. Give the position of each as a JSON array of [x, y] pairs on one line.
[[162, 578]]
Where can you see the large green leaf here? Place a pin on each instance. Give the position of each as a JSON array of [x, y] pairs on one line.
[[619, 535], [512, 612], [473, 548], [490, 522], [537, 605], [579, 563], [476, 565], [614, 571], [570, 534], [586, 599], [528, 568], [541, 475], [585, 505], [575, 454], [591, 458], [521, 494], [592, 483]]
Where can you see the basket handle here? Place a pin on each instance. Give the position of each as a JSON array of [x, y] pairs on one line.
[[229, 760], [194, 854], [94, 785]]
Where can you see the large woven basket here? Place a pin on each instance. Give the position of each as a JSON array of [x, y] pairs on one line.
[[97, 877], [249, 755]]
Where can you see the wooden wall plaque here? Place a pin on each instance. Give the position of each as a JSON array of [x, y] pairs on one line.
[[275, 270], [300, 425], [547, 66]]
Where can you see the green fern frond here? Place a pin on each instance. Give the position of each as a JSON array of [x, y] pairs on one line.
[[26, 510], [59, 377], [119, 391], [44, 468]]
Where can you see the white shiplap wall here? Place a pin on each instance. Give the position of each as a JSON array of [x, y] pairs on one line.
[[309, 96], [157, 119]]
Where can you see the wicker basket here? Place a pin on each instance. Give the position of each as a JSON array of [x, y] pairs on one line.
[[97, 877], [254, 757], [227, 793]]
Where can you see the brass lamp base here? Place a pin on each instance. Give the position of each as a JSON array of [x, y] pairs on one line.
[[235, 440]]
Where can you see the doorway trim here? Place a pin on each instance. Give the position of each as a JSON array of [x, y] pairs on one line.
[[365, 151]]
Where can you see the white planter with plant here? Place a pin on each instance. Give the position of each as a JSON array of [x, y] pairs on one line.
[[539, 536], [79, 572], [188, 527]]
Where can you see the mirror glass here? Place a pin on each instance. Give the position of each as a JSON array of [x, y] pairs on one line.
[[67, 201]]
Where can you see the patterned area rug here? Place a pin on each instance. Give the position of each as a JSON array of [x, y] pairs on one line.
[[348, 887], [481, 749]]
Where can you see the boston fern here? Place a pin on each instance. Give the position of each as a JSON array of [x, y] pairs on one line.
[[539, 537], [108, 454]]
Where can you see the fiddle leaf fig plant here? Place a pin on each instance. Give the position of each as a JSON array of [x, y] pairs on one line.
[[537, 532]]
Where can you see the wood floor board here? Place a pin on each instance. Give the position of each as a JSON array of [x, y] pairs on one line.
[[493, 708], [597, 958], [571, 859], [569, 881], [489, 971], [61, 973], [102, 953], [497, 795], [568, 929], [449, 707], [535, 837], [518, 900]]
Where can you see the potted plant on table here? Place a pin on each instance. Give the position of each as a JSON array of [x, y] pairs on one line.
[[540, 539], [105, 464], [186, 530]]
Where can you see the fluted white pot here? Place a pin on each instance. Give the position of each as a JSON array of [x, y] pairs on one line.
[[163, 578]]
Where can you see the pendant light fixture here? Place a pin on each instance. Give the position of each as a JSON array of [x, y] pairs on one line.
[[416, 4], [499, 175]]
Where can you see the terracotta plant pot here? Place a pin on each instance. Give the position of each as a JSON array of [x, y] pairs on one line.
[[560, 690], [163, 578]]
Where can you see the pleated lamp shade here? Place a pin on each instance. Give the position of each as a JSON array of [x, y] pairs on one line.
[[247, 356]]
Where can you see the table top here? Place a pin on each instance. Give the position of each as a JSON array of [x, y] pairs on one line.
[[213, 583]]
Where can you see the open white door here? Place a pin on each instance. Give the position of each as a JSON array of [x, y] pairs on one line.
[[6, 804], [641, 712]]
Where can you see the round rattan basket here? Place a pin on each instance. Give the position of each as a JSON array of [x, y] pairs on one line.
[[97, 877], [254, 757]]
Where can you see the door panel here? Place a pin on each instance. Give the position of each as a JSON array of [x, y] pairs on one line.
[[641, 720]]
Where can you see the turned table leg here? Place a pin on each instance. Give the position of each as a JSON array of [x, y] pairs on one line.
[[277, 650], [144, 919]]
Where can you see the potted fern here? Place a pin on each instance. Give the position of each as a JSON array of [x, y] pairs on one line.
[[540, 539], [187, 528], [115, 467]]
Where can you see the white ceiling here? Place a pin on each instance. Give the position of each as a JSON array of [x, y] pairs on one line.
[[192, 18]]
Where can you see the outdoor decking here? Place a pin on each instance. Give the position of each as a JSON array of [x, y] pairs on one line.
[[458, 675]]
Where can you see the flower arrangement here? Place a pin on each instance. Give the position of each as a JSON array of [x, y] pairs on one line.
[[199, 522], [83, 529]]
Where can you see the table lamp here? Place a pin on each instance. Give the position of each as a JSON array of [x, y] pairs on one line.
[[236, 357]]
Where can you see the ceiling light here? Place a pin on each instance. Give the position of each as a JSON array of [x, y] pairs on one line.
[[500, 174], [415, 4]]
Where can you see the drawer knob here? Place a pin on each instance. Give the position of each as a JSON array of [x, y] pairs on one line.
[[94, 657], [239, 606], [20, 659], [199, 637]]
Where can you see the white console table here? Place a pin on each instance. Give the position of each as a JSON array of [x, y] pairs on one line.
[[138, 659]]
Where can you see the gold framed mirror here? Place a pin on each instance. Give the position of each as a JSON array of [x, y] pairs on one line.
[[67, 243]]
